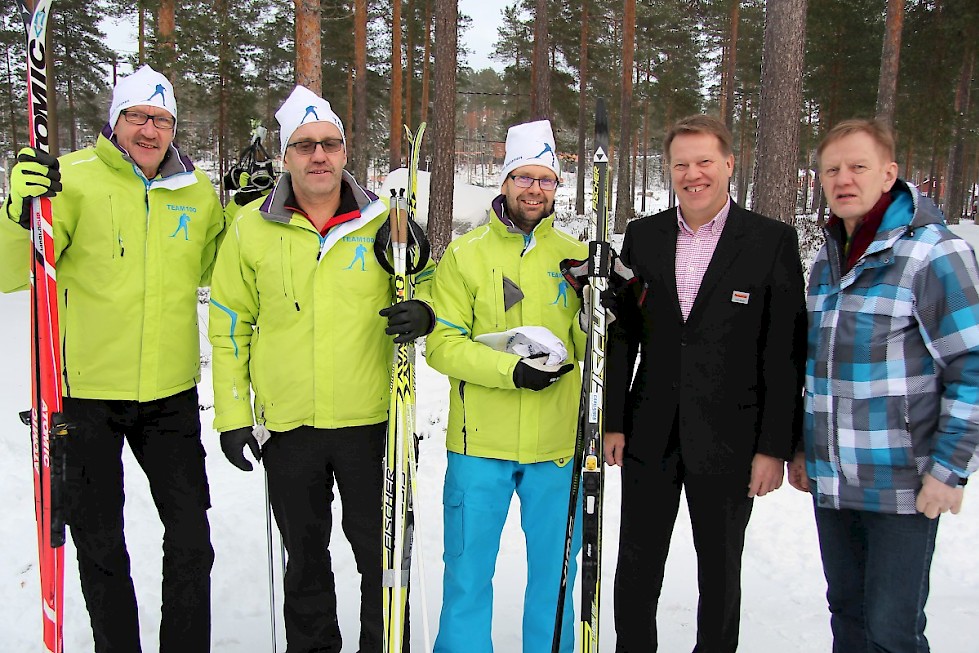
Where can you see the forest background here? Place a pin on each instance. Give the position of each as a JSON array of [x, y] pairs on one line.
[[779, 73]]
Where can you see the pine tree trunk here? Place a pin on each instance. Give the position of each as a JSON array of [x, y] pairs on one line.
[[359, 158], [645, 153], [165, 27], [540, 72], [426, 61], [444, 127], [776, 170], [309, 69], [624, 196], [142, 33], [889, 58], [394, 159], [955, 185], [579, 201], [730, 65], [409, 62], [221, 10]]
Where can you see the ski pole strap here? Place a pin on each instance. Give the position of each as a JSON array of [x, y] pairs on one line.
[[577, 272], [419, 249], [599, 258]]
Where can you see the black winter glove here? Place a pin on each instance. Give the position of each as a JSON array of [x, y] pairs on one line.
[[36, 174], [408, 320], [533, 374], [233, 445], [610, 298]]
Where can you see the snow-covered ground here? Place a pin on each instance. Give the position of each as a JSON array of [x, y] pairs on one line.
[[783, 611]]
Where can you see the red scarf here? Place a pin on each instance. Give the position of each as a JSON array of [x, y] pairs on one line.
[[855, 244]]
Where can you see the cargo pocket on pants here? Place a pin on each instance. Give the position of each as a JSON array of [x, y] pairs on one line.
[[453, 522]]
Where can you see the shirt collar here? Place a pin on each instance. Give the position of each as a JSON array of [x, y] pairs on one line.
[[716, 224]]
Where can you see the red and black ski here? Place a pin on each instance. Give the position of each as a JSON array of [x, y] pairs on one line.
[[48, 429]]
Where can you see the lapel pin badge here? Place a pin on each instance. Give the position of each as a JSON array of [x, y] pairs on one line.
[[740, 297]]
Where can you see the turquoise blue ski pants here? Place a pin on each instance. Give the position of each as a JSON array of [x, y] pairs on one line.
[[476, 500]]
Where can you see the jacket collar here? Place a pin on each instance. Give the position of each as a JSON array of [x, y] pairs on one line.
[[175, 164], [276, 206]]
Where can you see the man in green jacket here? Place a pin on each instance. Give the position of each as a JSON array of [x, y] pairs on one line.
[[296, 325], [136, 228], [507, 336]]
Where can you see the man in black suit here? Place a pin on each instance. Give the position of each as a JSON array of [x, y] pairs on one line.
[[717, 318]]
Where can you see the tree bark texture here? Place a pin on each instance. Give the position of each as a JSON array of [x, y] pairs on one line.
[[889, 59], [955, 178], [309, 69], [394, 159], [443, 127], [730, 65], [358, 162], [579, 198], [426, 61], [540, 96], [165, 26], [775, 178], [624, 196]]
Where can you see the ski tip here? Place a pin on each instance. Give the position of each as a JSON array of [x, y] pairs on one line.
[[601, 131], [601, 115]]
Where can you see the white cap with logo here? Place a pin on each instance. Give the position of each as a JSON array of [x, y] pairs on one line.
[[143, 87], [303, 107], [530, 143]]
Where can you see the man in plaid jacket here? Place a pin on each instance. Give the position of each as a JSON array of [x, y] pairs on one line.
[[891, 426]]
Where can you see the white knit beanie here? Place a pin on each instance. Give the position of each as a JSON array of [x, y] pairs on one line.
[[143, 87], [303, 107], [530, 143]]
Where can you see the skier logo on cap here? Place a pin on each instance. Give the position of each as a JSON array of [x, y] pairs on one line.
[[310, 110], [547, 149], [159, 91]]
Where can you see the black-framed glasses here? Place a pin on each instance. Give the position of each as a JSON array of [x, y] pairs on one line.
[[305, 148], [526, 182], [139, 118]]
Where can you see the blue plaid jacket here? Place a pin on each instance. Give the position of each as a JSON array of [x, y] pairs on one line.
[[892, 369]]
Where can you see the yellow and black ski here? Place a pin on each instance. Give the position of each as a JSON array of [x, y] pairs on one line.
[[407, 257]]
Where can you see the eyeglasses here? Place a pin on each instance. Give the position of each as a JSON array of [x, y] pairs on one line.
[[140, 118], [526, 182], [305, 148]]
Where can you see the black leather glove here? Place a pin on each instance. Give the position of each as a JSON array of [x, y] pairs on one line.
[[408, 320], [36, 174], [233, 445], [610, 298], [533, 374]]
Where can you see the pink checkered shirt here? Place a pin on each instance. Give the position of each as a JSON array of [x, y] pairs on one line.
[[693, 254]]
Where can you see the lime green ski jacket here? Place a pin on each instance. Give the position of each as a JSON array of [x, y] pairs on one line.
[[294, 317], [488, 416], [131, 254]]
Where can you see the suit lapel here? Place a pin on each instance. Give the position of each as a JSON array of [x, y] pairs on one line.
[[728, 249], [665, 259]]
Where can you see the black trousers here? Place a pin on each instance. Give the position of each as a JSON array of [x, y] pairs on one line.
[[165, 437], [302, 466], [719, 511]]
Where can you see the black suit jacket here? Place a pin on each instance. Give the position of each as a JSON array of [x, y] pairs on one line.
[[733, 372]]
